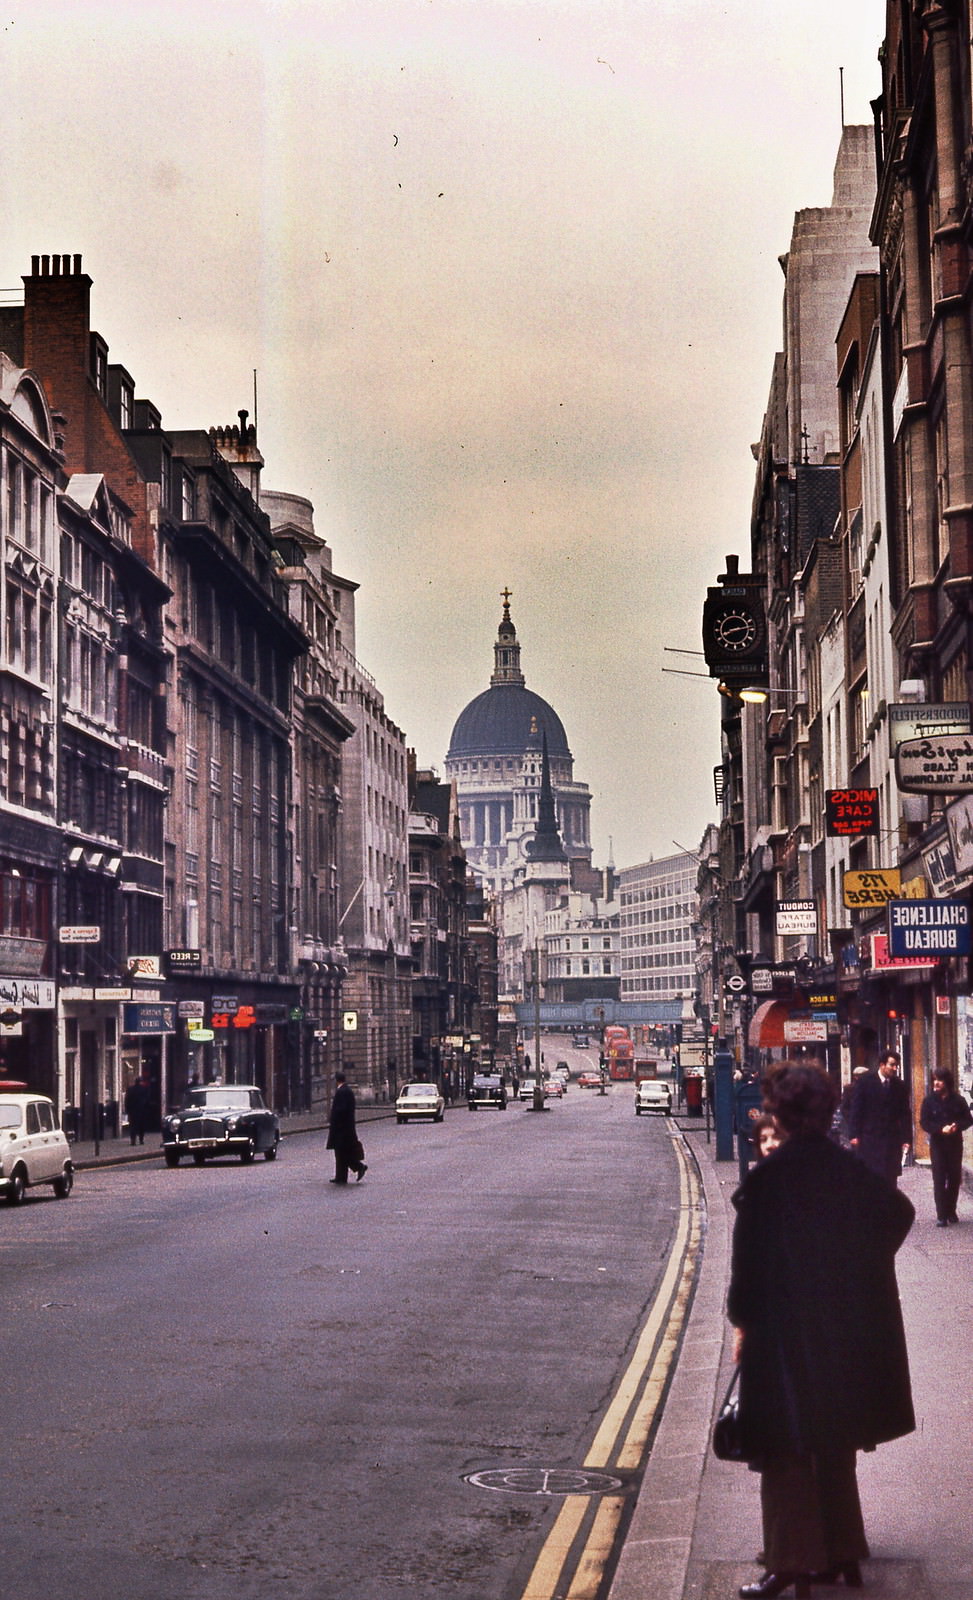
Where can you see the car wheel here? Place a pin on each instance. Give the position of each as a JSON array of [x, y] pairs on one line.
[[63, 1185], [439, 1116], [18, 1183], [472, 1105], [171, 1158], [199, 1156], [247, 1153], [271, 1154], [400, 1120], [638, 1111]]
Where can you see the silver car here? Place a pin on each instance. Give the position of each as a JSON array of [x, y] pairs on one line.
[[33, 1148], [419, 1100]]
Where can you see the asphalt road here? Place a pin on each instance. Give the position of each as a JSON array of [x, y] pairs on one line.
[[243, 1381]]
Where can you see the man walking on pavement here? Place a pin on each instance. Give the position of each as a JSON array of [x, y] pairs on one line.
[[343, 1135], [879, 1121]]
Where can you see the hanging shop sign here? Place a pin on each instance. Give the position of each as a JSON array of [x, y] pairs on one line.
[[940, 764], [805, 1030], [183, 961], [875, 888], [850, 813], [959, 825], [796, 916], [159, 1018], [929, 927], [79, 935], [879, 959], [925, 722]]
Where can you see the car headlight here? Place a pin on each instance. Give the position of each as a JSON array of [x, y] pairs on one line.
[[172, 1125], [231, 1124]]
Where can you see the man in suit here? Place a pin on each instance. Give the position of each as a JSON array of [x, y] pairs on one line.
[[880, 1122], [343, 1135]]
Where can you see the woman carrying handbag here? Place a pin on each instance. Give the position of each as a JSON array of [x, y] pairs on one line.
[[819, 1338]]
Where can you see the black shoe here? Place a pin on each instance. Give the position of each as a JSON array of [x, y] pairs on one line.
[[337, 1180], [774, 1583], [952, 1217], [361, 1172], [942, 1222]]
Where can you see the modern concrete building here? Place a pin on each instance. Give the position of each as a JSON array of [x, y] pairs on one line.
[[657, 912]]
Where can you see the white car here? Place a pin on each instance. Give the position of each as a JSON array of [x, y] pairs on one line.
[[419, 1100], [33, 1149], [653, 1094]]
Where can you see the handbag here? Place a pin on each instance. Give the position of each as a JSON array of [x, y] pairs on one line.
[[727, 1439]]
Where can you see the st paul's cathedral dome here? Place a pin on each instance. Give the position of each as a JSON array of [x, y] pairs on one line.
[[495, 756]]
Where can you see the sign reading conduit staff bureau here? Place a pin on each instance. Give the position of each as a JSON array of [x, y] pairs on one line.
[[929, 927], [796, 916]]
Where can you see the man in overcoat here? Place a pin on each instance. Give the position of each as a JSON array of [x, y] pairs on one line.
[[343, 1135], [879, 1120]]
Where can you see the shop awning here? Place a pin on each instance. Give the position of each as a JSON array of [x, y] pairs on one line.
[[767, 1024]]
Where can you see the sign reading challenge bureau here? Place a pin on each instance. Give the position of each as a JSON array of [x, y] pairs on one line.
[[929, 927]]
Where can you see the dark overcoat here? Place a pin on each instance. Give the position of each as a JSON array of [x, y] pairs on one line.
[[824, 1363], [880, 1119], [938, 1113], [342, 1134]]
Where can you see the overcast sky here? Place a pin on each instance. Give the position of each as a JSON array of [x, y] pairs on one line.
[[508, 273]]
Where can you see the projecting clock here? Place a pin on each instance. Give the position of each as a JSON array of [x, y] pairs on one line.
[[735, 629]]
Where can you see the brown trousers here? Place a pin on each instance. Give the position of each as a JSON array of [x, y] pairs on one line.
[[812, 1515]]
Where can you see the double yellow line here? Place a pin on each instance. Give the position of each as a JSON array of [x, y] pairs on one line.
[[623, 1434]]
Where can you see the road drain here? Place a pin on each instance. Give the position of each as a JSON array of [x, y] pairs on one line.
[[542, 1480]]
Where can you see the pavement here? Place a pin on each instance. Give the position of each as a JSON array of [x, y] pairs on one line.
[[695, 1530]]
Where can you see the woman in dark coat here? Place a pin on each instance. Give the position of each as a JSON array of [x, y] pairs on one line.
[[823, 1365], [945, 1116]]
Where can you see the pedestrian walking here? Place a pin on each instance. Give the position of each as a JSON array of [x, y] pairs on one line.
[[879, 1120], [137, 1105], [819, 1335], [343, 1135], [945, 1116]]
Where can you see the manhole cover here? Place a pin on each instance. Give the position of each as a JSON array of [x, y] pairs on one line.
[[542, 1480]]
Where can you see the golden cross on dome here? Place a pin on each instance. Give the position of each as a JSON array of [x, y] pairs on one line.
[[505, 595]]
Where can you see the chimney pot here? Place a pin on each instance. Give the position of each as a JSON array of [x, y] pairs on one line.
[[77, 265], [45, 266], [35, 265]]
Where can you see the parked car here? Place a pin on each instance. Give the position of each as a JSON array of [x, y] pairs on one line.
[[419, 1100], [220, 1120], [487, 1089], [33, 1147], [653, 1094]]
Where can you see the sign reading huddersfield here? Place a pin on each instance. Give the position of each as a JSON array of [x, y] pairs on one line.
[[929, 927]]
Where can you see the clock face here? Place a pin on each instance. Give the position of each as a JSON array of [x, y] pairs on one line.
[[735, 629]]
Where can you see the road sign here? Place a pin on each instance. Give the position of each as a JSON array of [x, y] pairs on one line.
[[349, 1021]]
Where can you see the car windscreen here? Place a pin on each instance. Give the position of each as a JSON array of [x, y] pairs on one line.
[[229, 1099]]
